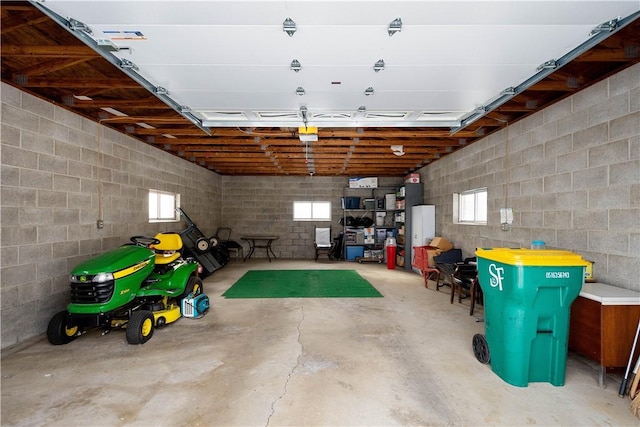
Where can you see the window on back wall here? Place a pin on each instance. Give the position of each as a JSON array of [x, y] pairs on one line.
[[470, 207], [163, 205], [312, 211]]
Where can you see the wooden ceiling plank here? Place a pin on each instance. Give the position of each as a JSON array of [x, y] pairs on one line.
[[146, 103], [110, 83], [31, 52], [15, 23], [604, 55], [49, 51], [551, 85], [176, 119], [51, 65], [171, 131]]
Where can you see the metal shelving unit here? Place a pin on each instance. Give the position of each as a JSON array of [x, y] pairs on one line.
[[409, 195], [370, 238]]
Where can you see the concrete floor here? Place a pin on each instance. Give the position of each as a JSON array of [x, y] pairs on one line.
[[404, 359]]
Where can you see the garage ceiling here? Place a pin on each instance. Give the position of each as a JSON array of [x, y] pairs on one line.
[[384, 87]]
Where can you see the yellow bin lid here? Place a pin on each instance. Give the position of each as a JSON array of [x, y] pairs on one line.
[[532, 257]]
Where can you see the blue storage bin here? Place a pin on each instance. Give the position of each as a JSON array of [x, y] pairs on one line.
[[352, 252], [350, 202]]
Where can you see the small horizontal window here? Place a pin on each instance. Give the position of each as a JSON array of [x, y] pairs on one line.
[[312, 211], [470, 207], [163, 206]]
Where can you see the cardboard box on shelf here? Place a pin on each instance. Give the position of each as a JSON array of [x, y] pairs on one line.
[[357, 182], [441, 243]]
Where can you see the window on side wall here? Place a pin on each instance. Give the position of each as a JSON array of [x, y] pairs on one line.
[[312, 211], [163, 205], [470, 207]]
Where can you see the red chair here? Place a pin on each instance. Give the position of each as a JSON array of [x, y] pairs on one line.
[[421, 262]]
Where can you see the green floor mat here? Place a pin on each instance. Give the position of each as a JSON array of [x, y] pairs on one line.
[[302, 284]]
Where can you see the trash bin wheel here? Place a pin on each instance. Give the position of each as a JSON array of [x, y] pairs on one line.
[[481, 349]]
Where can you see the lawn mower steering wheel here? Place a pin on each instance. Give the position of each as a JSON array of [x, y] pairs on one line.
[[144, 241]]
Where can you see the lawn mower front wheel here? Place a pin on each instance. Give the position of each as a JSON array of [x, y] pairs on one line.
[[59, 332], [140, 327]]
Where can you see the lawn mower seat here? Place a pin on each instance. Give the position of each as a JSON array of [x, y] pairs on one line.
[[168, 250]]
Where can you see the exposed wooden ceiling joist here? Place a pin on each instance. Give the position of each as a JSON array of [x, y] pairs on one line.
[[44, 59]]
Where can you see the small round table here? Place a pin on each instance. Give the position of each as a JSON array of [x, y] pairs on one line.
[[263, 242]]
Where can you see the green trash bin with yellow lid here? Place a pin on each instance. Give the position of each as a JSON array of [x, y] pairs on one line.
[[527, 298]]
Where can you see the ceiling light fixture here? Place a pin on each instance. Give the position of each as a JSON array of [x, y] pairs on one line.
[[398, 150], [308, 138], [395, 26], [289, 27], [295, 65], [368, 91], [379, 65], [300, 91]]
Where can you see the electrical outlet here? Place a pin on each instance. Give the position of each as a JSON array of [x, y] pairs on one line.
[[100, 224]]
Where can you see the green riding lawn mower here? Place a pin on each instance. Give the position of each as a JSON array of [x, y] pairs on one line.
[[139, 286]]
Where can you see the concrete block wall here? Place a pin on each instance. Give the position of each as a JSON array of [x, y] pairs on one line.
[[264, 205], [571, 173], [58, 169]]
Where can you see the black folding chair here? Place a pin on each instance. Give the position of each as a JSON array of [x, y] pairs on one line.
[[224, 236]]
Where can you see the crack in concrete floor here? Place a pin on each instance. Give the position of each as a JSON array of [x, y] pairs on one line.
[[286, 383]]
